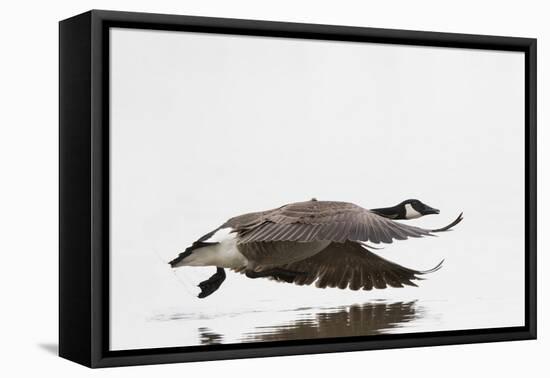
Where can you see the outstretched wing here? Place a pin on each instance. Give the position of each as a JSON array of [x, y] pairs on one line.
[[329, 221], [350, 265]]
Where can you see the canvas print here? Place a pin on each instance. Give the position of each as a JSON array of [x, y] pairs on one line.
[[270, 189]]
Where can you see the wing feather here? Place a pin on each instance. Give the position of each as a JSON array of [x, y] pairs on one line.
[[367, 280], [350, 265], [323, 221]]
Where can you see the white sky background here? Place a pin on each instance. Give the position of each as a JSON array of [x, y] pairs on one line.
[[205, 127]]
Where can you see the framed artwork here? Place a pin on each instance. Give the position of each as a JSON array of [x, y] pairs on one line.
[[237, 188]]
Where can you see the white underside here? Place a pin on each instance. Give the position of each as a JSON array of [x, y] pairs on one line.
[[411, 213], [225, 254]]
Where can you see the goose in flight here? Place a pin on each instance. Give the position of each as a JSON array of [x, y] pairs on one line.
[[321, 242]]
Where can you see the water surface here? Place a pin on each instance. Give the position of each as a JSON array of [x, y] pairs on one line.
[[369, 318]]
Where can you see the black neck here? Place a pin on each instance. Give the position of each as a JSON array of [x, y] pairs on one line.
[[394, 212]]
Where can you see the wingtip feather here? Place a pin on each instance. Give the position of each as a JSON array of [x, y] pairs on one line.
[[434, 269], [450, 225]]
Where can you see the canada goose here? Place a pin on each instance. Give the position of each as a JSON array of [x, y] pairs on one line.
[[312, 241]]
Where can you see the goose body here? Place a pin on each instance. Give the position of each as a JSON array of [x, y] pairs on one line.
[[321, 242]]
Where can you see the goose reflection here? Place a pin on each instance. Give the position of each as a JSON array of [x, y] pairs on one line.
[[372, 318], [208, 337]]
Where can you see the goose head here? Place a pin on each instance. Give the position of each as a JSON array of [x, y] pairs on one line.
[[408, 209]]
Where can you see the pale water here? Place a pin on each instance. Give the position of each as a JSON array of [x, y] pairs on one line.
[[156, 307], [371, 318]]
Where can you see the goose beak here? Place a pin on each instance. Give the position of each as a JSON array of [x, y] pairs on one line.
[[430, 210]]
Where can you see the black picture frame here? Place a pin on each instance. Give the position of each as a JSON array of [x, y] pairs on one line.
[[84, 183]]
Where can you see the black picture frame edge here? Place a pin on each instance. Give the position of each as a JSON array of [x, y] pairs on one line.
[[84, 186], [75, 189]]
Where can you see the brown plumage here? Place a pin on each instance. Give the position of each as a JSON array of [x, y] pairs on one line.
[[320, 220], [321, 242], [350, 265]]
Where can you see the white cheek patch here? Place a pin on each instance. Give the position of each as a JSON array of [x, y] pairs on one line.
[[410, 212]]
